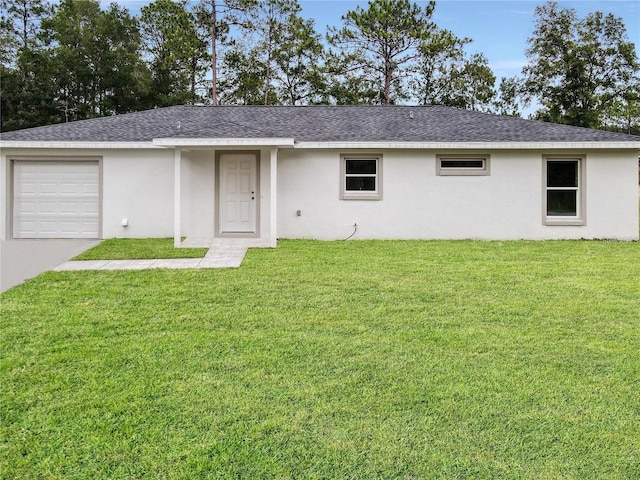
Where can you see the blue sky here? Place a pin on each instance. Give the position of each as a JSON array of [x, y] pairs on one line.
[[498, 28]]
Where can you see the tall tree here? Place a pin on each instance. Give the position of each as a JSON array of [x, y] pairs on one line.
[[26, 91], [476, 84], [279, 50], [506, 102], [578, 68], [440, 55], [269, 23], [23, 17], [346, 85], [125, 79], [8, 39], [242, 81], [176, 53], [297, 63], [382, 43], [447, 75], [623, 114], [216, 17], [290, 50], [94, 59]]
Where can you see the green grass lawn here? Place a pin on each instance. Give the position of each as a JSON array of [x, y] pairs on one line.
[[407, 360], [139, 249]]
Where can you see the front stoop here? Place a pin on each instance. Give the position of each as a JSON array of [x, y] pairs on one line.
[[225, 242]]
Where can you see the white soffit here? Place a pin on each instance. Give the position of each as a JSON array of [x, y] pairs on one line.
[[474, 145], [84, 145], [224, 142], [290, 142]]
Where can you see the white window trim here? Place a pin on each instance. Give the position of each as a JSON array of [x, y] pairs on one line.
[[364, 195], [451, 171], [580, 218]]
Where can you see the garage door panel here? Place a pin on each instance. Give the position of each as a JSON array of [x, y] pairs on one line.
[[59, 207], [88, 229], [47, 208], [70, 227], [26, 188], [26, 208], [58, 229], [48, 227], [49, 188], [73, 189], [69, 208], [90, 190], [27, 227], [90, 208], [56, 199]]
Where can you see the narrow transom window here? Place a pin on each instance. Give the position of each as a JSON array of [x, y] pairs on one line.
[[361, 177], [462, 165], [563, 203]]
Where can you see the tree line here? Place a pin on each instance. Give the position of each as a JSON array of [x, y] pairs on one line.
[[73, 60]]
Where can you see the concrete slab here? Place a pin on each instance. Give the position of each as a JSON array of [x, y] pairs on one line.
[[191, 242], [221, 263], [21, 260], [81, 265], [223, 253], [128, 264], [178, 263]]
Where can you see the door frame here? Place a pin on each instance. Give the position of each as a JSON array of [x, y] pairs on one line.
[[218, 188]]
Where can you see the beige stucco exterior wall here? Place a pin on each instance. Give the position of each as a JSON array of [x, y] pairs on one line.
[[198, 193], [138, 185], [135, 184], [418, 204]]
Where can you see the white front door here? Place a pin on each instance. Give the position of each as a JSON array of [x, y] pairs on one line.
[[238, 192]]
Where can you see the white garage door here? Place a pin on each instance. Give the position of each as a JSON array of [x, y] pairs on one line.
[[56, 199]]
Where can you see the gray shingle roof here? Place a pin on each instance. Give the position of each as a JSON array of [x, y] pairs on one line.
[[315, 124]]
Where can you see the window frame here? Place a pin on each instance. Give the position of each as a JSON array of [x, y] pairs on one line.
[[463, 171], [579, 218], [357, 194]]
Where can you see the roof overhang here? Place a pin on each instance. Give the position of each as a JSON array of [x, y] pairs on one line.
[[83, 145], [474, 145], [223, 142], [195, 143]]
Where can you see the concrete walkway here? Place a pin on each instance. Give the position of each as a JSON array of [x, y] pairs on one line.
[[223, 253]]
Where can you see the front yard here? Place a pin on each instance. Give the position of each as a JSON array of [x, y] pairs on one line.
[[331, 360]]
